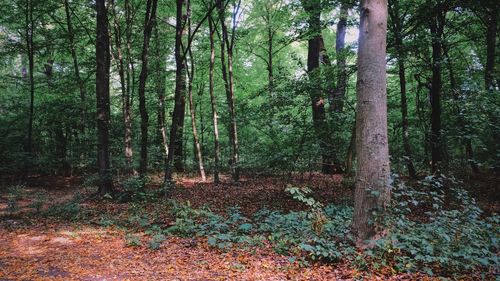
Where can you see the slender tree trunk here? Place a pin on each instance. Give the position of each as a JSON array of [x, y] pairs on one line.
[[213, 102], [102, 96], [176, 130], [398, 33], [192, 109], [79, 81], [436, 28], [270, 74], [128, 152], [313, 7], [491, 38], [148, 27], [337, 104], [160, 90], [229, 85], [372, 195], [469, 152], [130, 76], [351, 150], [29, 48]]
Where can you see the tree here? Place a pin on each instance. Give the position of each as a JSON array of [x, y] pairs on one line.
[[313, 8], [192, 110], [177, 128], [436, 27], [123, 72], [372, 194], [149, 22], [227, 44], [213, 102], [103, 104], [29, 29], [397, 30]]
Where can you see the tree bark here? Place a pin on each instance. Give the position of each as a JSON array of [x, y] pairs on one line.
[[176, 130], [228, 78], [213, 102], [102, 96], [192, 108], [148, 27], [372, 194], [79, 81], [313, 7], [436, 27], [398, 34], [30, 51], [128, 152], [160, 90], [491, 38], [337, 103]]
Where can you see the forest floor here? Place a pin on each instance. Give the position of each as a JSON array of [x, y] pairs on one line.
[[36, 247]]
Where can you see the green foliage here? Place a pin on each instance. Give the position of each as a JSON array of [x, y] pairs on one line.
[[134, 189], [14, 194], [454, 237], [39, 200], [70, 210], [133, 240]]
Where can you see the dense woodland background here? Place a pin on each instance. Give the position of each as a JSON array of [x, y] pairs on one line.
[[141, 98], [442, 86]]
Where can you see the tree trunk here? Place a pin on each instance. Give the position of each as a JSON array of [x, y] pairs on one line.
[[79, 81], [491, 38], [30, 51], [398, 33], [102, 96], [229, 85], [130, 76], [148, 27], [313, 7], [372, 195], [351, 150], [128, 152], [213, 102], [337, 104], [469, 152], [160, 90], [436, 26], [192, 108], [176, 130]]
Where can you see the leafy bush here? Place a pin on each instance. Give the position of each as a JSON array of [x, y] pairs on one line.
[[134, 189], [14, 194], [69, 210], [455, 239]]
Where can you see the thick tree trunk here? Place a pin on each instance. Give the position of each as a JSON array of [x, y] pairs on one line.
[[176, 130], [227, 75], [79, 81], [436, 29], [372, 195], [102, 96], [128, 152], [398, 33], [213, 102], [148, 27], [30, 51]]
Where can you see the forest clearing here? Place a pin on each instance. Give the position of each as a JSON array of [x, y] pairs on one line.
[[249, 140]]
